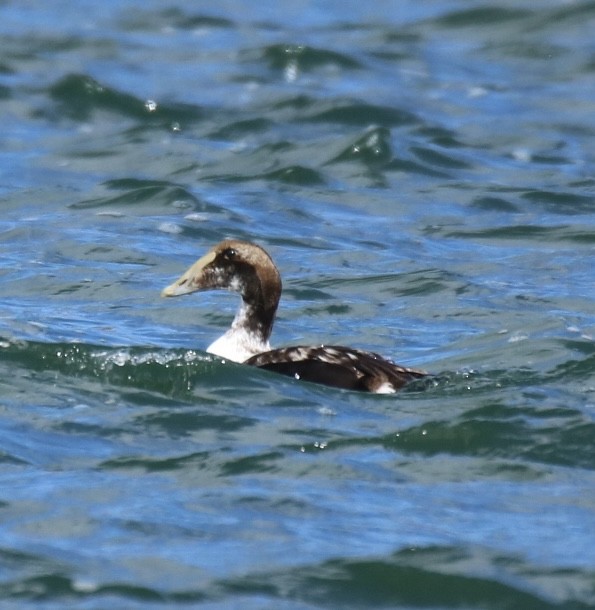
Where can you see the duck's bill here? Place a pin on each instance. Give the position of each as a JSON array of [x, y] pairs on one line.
[[192, 280]]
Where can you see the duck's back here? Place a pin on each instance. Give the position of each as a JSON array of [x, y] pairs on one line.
[[337, 366]]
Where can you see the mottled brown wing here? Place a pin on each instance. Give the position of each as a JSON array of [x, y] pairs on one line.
[[337, 366]]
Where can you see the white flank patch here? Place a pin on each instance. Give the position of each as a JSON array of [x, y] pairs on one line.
[[385, 388]]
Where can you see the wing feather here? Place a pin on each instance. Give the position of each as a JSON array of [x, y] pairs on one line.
[[337, 366]]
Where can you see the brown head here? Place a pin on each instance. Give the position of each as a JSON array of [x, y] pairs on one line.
[[239, 266]]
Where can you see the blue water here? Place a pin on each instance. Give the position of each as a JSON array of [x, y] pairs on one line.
[[423, 175]]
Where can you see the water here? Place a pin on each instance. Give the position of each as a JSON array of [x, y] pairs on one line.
[[422, 173]]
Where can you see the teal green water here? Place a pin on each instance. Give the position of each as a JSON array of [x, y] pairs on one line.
[[423, 175]]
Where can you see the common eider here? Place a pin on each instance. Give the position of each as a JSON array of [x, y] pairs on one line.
[[246, 268]]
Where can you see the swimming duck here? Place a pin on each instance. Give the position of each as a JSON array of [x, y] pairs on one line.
[[248, 269]]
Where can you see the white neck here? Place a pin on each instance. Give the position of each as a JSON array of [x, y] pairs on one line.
[[241, 341], [237, 345]]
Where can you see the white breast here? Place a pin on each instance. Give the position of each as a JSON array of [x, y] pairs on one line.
[[237, 345]]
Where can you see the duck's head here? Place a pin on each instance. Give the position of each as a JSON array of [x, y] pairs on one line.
[[234, 265]]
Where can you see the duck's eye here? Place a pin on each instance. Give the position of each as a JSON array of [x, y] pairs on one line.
[[229, 254]]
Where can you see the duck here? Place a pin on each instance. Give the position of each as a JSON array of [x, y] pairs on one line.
[[246, 268]]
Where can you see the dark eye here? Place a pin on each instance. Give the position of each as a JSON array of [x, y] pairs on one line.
[[229, 254]]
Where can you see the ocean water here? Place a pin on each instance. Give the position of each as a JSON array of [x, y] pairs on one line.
[[423, 173]]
